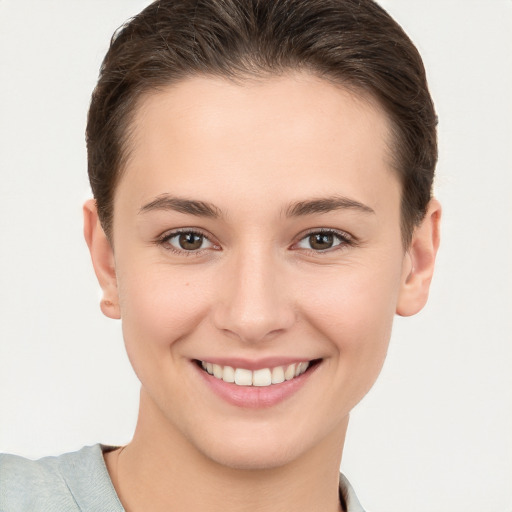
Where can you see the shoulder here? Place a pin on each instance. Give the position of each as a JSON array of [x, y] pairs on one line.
[[76, 481], [32, 484]]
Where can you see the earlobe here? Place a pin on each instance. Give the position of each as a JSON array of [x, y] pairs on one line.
[[103, 261], [419, 263]]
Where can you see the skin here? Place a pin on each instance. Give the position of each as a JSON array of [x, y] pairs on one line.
[[256, 288]]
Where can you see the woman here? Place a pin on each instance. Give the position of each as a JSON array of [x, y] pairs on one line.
[[262, 177]]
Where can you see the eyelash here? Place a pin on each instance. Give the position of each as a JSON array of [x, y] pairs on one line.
[[165, 239], [345, 240]]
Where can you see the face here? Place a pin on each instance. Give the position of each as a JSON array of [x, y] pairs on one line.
[[256, 227]]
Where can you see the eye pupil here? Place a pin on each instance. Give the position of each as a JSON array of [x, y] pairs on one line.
[[190, 241], [321, 241]]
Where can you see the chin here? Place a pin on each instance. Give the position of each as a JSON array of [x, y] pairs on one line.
[[251, 456], [263, 445]]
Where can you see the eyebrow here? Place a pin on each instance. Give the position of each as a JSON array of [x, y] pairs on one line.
[[297, 209], [325, 205], [182, 205]]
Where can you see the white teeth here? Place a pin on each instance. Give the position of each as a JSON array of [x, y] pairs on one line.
[[289, 372], [243, 377], [262, 377], [301, 368], [277, 375], [217, 371], [228, 374]]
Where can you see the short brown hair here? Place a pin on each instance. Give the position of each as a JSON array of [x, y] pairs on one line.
[[354, 43]]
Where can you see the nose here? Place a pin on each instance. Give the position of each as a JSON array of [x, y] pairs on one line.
[[253, 303]]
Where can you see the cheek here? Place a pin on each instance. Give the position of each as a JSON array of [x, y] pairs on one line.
[[158, 308], [361, 298], [354, 315]]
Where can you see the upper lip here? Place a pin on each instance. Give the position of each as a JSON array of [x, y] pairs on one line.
[[255, 364]]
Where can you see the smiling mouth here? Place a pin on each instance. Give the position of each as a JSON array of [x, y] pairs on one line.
[[260, 378]]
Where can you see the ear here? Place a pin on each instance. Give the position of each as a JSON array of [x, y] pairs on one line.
[[103, 261], [419, 263]]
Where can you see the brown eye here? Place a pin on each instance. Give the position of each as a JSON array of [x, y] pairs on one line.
[[324, 240], [321, 241], [188, 241]]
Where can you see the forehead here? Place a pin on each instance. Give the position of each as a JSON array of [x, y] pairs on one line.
[[257, 134]]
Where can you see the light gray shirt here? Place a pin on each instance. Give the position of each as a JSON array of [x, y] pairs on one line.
[[76, 482]]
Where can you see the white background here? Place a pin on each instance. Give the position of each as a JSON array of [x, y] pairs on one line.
[[435, 433]]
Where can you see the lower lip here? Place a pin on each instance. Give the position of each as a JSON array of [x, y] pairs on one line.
[[255, 397]]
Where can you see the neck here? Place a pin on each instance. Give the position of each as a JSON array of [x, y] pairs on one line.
[[161, 470]]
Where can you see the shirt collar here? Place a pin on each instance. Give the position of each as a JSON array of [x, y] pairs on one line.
[[349, 496]]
